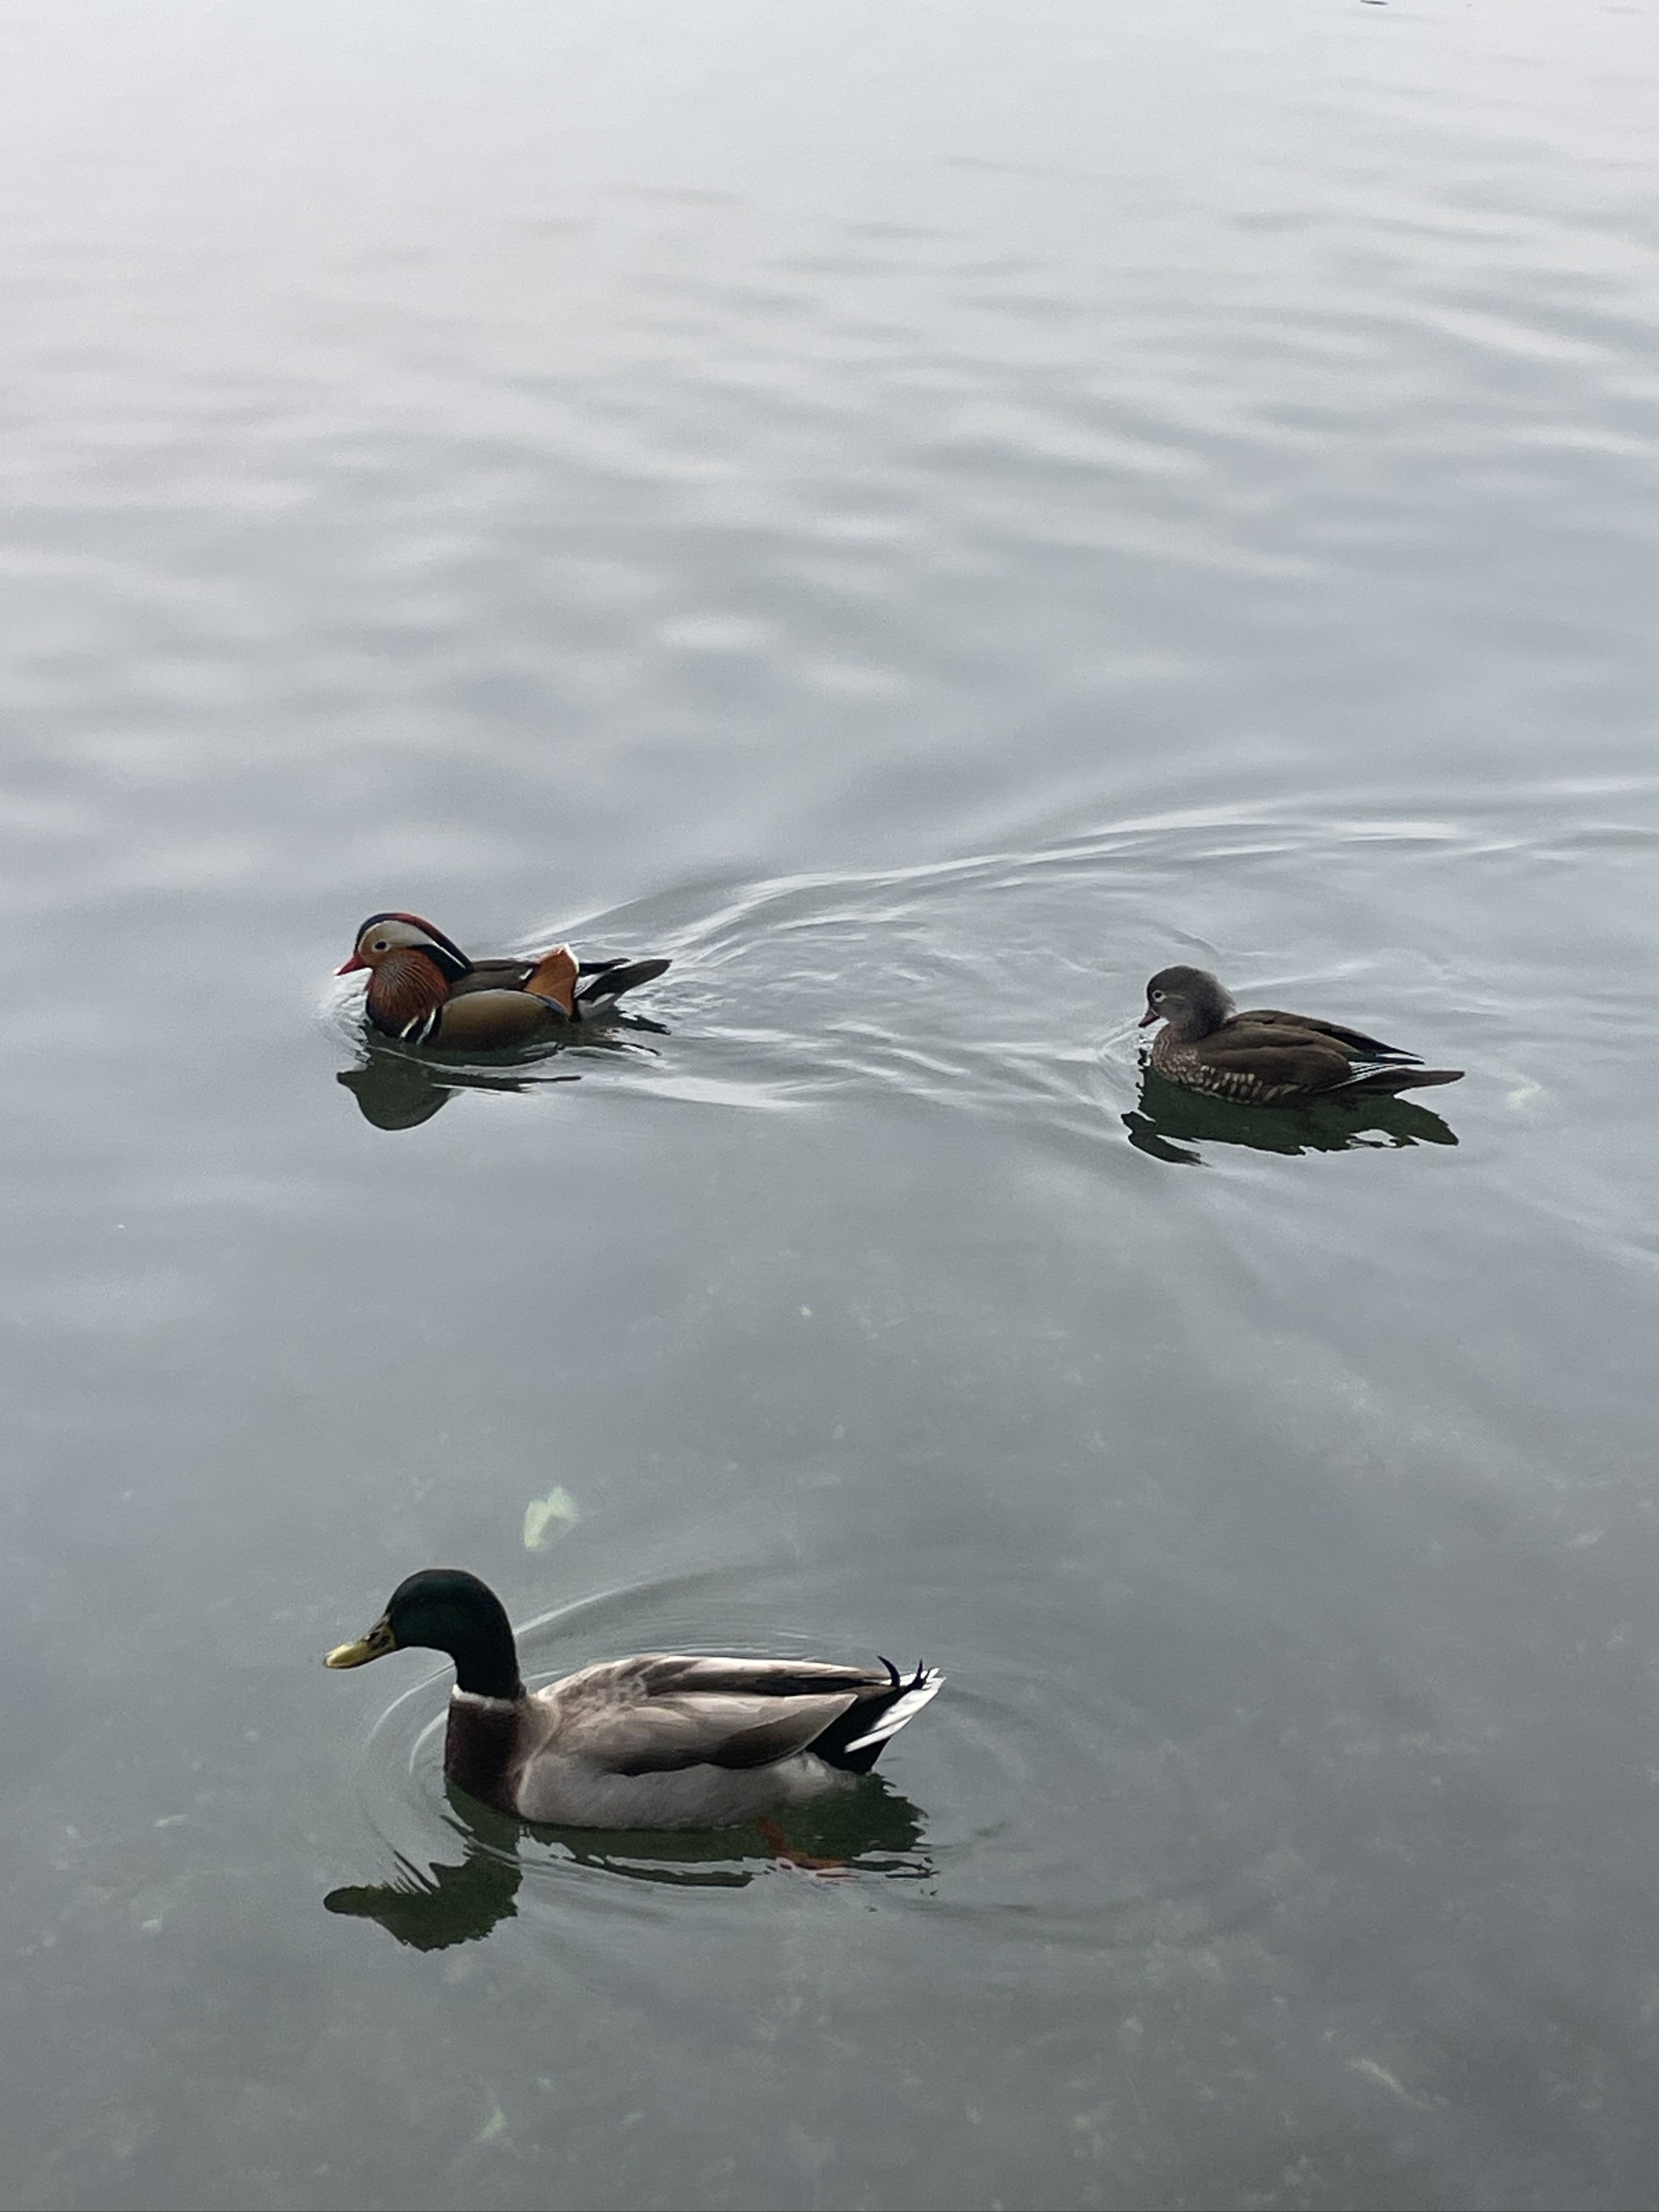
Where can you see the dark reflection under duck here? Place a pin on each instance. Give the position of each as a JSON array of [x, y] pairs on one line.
[[454, 1901], [1171, 1118], [395, 1091], [397, 1088], [872, 1831]]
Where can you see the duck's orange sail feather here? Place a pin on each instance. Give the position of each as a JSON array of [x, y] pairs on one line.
[[554, 976]]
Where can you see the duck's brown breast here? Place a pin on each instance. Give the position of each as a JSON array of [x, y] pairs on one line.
[[482, 1743], [1187, 1063], [403, 990]]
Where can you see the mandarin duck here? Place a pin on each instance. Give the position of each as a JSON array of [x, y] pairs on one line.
[[423, 989], [657, 1742], [1265, 1057]]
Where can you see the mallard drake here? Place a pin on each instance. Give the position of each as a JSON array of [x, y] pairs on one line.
[[1264, 1057], [423, 989], [657, 1742]]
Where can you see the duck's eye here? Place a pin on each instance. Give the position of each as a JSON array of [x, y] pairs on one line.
[[380, 944], [1158, 997]]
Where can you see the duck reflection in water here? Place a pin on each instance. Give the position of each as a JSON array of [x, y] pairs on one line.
[[398, 1089], [394, 1091], [873, 1831], [1170, 1120], [450, 1903]]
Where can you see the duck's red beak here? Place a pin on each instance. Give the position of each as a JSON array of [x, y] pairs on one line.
[[1151, 1014], [350, 967]]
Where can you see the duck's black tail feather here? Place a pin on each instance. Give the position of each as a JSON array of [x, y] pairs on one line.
[[857, 1740], [1389, 1082], [611, 978]]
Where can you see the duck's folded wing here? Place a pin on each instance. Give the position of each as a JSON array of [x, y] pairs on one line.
[[668, 1734], [652, 1716], [1365, 1047], [697, 1674], [551, 975], [1297, 1059], [491, 975], [482, 1020]]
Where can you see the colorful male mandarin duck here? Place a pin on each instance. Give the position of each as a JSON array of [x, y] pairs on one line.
[[1267, 1058], [423, 989]]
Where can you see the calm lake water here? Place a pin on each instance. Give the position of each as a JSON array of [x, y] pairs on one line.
[[925, 514]]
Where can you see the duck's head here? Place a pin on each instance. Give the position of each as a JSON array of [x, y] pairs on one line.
[[1190, 999], [444, 1609], [383, 934]]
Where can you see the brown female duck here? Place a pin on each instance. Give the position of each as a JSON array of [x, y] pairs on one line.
[[658, 1742], [1266, 1057], [422, 988]]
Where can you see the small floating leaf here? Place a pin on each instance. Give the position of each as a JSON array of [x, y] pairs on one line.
[[544, 1518]]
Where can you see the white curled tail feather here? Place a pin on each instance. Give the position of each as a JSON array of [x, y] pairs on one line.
[[902, 1709]]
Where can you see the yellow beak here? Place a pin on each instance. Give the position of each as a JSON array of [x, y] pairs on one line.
[[379, 1641]]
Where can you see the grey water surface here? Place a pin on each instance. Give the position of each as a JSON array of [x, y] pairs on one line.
[[924, 513]]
